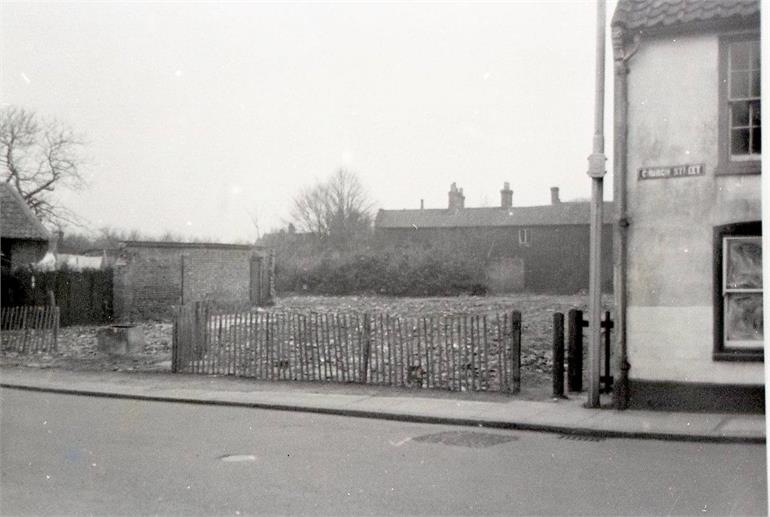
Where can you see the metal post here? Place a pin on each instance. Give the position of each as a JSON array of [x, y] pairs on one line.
[[575, 348], [558, 355], [596, 170]]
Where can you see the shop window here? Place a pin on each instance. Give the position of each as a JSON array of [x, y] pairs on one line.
[[740, 120], [525, 237], [738, 292]]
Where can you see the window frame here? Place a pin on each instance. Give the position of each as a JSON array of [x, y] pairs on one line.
[[527, 240], [727, 165], [722, 352]]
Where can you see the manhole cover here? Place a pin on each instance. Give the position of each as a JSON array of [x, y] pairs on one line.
[[581, 438], [234, 458], [465, 439]]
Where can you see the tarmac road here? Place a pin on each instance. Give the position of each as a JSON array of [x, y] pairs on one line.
[[64, 454]]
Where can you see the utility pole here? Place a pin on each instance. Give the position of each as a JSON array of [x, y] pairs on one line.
[[596, 170]]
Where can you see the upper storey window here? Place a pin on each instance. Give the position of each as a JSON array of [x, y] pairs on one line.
[[745, 122], [740, 112]]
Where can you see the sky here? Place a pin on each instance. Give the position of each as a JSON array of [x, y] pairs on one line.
[[202, 118]]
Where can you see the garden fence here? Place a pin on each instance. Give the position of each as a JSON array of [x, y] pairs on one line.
[[83, 297], [460, 352], [26, 329]]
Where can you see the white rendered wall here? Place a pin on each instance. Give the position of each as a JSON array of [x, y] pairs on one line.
[[673, 120]]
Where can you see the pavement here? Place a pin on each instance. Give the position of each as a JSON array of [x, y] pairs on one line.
[[563, 416]]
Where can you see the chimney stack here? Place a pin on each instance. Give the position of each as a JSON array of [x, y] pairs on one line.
[[555, 196], [506, 196], [422, 204], [456, 198]]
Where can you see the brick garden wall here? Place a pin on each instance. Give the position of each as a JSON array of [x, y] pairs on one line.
[[150, 278]]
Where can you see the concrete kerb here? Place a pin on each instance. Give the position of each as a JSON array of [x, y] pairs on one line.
[[406, 417]]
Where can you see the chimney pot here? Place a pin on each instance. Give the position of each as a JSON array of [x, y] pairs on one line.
[[555, 196], [506, 196], [456, 197]]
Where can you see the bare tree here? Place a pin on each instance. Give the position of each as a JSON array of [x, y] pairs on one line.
[[337, 210], [37, 157]]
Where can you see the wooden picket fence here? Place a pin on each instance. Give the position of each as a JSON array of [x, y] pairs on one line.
[[459, 352], [29, 329]]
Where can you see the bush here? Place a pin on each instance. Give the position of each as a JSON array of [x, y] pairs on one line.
[[393, 271]]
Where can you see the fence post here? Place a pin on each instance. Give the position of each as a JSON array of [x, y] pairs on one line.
[[365, 352], [56, 329], [175, 341], [558, 355], [575, 346], [516, 352]]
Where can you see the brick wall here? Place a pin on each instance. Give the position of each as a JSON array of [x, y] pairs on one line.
[[150, 278], [556, 260]]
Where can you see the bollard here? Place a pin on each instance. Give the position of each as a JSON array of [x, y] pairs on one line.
[[558, 355], [575, 358]]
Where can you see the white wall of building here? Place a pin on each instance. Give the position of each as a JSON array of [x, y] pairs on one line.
[[673, 117]]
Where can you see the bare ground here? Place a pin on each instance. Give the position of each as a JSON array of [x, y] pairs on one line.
[[77, 345]]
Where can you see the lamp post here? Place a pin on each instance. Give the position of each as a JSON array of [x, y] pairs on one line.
[[596, 170]]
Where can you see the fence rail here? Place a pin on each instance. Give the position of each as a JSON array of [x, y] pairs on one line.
[[28, 329], [453, 352]]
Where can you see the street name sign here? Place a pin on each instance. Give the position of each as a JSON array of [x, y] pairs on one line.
[[675, 171]]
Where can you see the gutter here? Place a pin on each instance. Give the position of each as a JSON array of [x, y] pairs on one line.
[[621, 56]]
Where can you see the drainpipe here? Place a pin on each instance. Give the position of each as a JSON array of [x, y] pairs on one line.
[[620, 164]]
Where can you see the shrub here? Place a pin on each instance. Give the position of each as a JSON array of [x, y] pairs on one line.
[[393, 271]]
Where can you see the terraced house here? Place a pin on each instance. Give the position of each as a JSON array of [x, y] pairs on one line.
[[524, 248], [687, 192]]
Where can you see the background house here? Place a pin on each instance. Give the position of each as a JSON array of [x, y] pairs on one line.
[[532, 248], [687, 184]]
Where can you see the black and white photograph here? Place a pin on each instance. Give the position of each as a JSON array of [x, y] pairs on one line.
[[382, 258]]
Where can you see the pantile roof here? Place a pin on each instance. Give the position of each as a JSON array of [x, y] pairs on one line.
[[648, 14], [570, 213], [17, 221]]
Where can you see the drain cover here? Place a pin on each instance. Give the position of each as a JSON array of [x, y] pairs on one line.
[[234, 458], [465, 439], [581, 438]]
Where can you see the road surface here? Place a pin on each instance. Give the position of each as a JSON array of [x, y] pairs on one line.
[[65, 455]]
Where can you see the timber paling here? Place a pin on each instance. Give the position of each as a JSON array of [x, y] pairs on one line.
[[29, 329], [459, 352]]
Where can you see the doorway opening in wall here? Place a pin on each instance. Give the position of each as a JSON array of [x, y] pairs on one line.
[[738, 318]]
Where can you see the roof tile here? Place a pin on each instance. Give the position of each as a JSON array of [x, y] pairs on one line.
[[647, 14], [547, 215], [16, 218]]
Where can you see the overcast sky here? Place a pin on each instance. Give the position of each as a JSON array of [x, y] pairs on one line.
[[200, 115]]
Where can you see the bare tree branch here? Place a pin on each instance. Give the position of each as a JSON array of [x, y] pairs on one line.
[[337, 210], [37, 157]]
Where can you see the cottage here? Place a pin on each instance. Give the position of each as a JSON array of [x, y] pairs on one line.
[[525, 248], [24, 239], [687, 191]]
